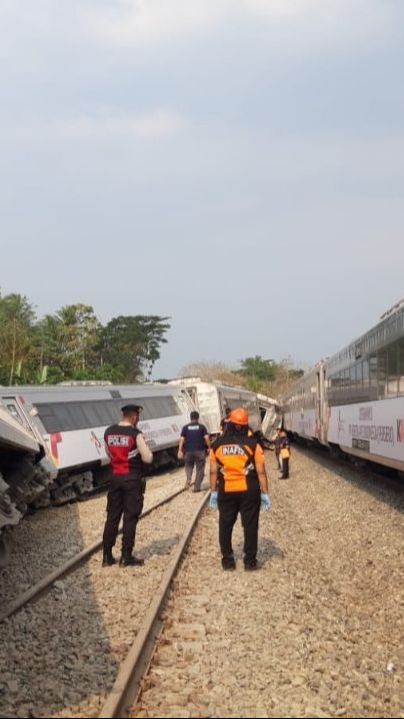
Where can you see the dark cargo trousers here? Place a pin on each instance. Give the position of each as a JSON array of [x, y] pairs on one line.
[[285, 467], [248, 504], [196, 458], [125, 497]]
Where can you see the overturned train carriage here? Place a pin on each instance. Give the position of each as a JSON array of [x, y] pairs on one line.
[[212, 399], [20, 475], [69, 422]]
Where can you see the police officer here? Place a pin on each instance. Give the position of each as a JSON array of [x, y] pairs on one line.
[[127, 449], [194, 442], [238, 483]]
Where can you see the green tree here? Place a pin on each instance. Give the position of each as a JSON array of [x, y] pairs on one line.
[[69, 342], [17, 316], [257, 371], [131, 344]]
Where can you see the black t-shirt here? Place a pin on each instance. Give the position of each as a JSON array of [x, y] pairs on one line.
[[194, 434]]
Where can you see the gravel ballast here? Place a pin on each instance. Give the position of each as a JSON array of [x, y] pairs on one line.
[[316, 632]]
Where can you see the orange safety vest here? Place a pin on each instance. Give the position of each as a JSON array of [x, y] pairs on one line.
[[236, 456]]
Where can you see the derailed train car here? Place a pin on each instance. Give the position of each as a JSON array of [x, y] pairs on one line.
[[69, 422], [212, 399], [19, 454], [353, 402]]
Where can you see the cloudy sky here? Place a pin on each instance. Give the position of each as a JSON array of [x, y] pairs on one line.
[[235, 164]]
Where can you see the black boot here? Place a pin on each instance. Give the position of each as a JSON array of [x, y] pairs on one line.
[[108, 558], [128, 560], [228, 563]]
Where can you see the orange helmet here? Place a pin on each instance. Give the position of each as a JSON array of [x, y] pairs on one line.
[[238, 416]]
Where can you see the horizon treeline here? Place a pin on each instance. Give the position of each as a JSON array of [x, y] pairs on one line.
[[72, 344]]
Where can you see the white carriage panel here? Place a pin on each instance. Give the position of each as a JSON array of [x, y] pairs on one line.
[[209, 406], [376, 428], [86, 446], [302, 422], [14, 434]]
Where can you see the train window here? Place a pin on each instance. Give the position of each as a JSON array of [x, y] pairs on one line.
[[358, 376], [401, 365], [392, 370], [13, 411], [373, 371], [381, 373], [90, 414], [365, 373], [352, 378]]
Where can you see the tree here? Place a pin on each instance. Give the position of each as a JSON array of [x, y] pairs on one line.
[[257, 371], [67, 343], [17, 316], [131, 344], [210, 371]]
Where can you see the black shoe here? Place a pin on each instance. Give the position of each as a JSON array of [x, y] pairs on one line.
[[108, 558], [251, 566], [130, 561], [228, 563]]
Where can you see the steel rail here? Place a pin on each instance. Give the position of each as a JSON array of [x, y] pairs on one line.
[[127, 683], [40, 587]]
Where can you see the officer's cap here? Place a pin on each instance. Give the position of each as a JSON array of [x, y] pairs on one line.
[[131, 408]]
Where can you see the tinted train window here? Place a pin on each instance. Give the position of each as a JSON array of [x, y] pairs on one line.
[[392, 370], [381, 373], [68, 416]]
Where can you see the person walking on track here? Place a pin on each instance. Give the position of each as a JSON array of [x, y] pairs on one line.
[[127, 449], [239, 484], [194, 442]]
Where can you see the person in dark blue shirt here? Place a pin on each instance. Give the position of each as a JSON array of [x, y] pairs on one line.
[[194, 442]]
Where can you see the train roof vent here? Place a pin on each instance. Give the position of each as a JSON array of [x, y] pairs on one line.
[[85, 383]]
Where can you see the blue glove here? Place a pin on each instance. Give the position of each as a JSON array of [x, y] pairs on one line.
[[213, 500], [265, 502]]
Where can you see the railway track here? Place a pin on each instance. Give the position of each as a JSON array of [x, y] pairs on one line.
[[48, 581], [123, 638], [127, 684]]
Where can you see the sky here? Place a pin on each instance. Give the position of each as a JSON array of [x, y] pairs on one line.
[[237, 165]]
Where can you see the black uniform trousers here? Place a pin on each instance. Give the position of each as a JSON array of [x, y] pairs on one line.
[[125, 497], [248, 504]]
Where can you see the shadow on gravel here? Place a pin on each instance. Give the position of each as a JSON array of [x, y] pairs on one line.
[[379, 483], [160, 546], [267, 550], [57, 652]]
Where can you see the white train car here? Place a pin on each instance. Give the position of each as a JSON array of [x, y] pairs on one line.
[[304, 408], [271, 415], [354, 401], [70, 422], [365, 393], [18, 448], [212, 399]]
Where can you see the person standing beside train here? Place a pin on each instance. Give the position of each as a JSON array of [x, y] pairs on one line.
[[239, 484], [127, 450], [277, 447], [284, 453], [194, 442]]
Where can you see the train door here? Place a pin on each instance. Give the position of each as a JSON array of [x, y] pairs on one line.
[[320, 403]]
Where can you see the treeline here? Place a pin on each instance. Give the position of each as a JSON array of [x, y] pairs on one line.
[[255, 373], [72, 344]]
